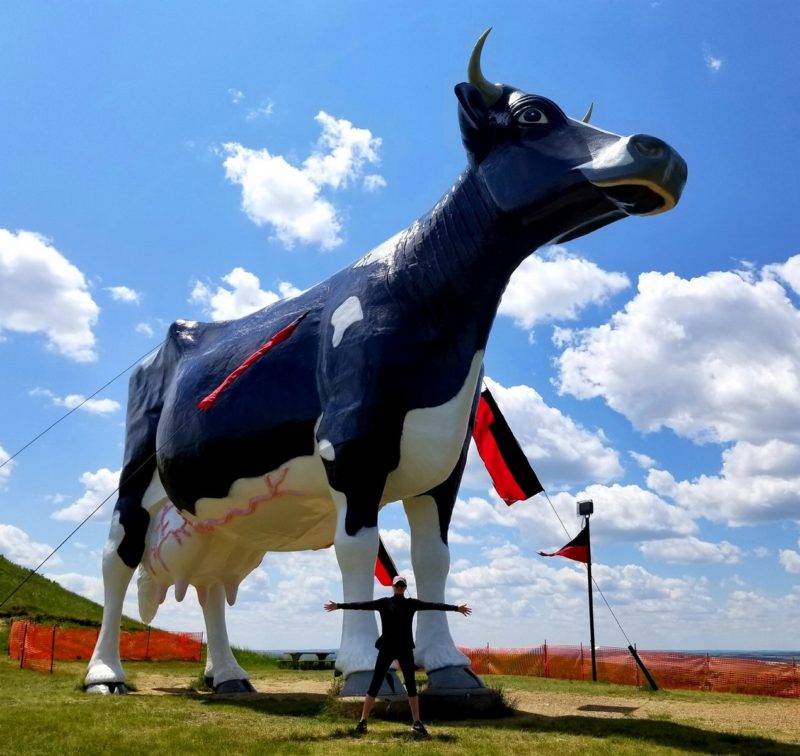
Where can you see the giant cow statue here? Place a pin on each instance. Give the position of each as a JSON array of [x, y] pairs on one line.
[[369, 396]]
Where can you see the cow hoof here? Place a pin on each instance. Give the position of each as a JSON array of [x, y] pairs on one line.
[[454, 678], [357, 684], [235, 686], [107, 689]]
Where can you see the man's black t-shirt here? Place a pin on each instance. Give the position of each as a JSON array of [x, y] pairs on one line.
[[397, 613]]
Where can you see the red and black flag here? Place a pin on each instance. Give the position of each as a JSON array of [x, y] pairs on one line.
[[577, 548], [385, 570], [511, 473]]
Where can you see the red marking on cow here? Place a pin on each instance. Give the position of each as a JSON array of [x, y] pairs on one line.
[[187, 529], [208, 402]]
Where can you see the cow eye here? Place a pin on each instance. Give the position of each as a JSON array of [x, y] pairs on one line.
[[532, 116]]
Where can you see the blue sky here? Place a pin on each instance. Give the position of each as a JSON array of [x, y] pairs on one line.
[[145, 155]]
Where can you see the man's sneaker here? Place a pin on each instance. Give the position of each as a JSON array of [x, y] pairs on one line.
[[361, 727], [419, 729]]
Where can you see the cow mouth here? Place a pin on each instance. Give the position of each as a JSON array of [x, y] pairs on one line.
[[639, 197]]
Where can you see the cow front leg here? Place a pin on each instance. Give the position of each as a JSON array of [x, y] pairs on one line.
[[356, 555], [222, 672], [446, 666], [105, 673]]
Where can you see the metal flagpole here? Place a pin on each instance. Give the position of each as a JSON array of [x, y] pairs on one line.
[[586, 508]]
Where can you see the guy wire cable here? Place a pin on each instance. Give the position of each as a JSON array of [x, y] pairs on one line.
[[594, 582], [78, 406]]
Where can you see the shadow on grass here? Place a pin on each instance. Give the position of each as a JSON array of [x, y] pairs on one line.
[[644, 731]]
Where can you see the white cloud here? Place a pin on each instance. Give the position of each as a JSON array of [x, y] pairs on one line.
[[236, 95], [691, 550], [288, 198], [88, 586], [790, 560], [714, 358], [145, 329], [5, 470], [124, 294], [713, 62], [556, 285], [757, 483], [73, 401], [42, 292], [642, 460], [265, 109], [17, 546], [244, 296], [373, 182], [561, 451], [98, 486], [628, 513], [788, 272]]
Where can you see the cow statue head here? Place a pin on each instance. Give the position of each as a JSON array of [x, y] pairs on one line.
[[557, 175]]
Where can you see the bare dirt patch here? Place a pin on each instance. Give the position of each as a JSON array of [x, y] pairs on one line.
[[777, 719]]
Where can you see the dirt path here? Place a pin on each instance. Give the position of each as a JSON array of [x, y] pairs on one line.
[[778, 719]]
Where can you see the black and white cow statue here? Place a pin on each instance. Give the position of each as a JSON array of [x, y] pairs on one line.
[[367, 399]]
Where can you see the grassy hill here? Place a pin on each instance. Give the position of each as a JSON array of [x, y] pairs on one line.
[[43, 600]]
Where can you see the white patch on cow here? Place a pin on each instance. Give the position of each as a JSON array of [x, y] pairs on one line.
[[610, 157], [326, 450], [432, 441], [347, 313], [383, 253]]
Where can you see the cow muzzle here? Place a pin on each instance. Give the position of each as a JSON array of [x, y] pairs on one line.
[[640, 174]]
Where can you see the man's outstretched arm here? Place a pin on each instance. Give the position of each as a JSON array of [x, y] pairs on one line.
[[460, 608], [332, 606]]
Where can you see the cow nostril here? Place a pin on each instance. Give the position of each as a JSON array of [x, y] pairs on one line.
[[648, 147]]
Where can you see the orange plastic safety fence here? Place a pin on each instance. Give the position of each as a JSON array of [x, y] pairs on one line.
[[670, 670], [68, 644]]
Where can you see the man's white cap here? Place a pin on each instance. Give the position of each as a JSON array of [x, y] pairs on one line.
[[400, 580]]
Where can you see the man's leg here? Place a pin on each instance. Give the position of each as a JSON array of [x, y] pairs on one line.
[[409, 669], [382, 664]]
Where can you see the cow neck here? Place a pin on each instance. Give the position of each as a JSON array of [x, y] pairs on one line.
[[454, 264]]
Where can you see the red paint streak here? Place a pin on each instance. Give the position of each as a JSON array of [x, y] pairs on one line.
[[207, 402]]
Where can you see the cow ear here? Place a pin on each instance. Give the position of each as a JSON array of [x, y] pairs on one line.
[[473, 118]]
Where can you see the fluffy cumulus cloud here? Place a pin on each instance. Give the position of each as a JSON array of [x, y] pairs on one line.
[[241, 295], [560, 450], [790, 560], [691, 550], [17, 546], [99, 486], [556, 285], [714, 358], [124, 294], [289, 198], [629, 514], [79, 401], [757, 483], [43, 292]]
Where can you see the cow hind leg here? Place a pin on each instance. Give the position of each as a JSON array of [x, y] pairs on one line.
[[446, 666], [222, 672]]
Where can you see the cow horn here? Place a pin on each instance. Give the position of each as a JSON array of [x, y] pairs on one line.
[[588, 115], [491, 92]]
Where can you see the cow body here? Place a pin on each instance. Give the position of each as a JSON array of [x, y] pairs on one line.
[[369, 400]]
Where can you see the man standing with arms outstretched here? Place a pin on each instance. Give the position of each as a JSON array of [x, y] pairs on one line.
[[396, 642]]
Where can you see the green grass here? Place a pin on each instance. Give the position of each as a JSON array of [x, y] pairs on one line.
[[45, 601], [43, 713]]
